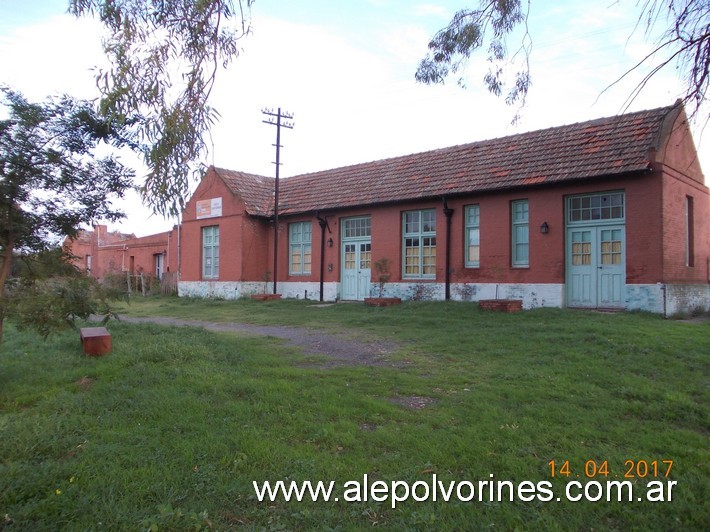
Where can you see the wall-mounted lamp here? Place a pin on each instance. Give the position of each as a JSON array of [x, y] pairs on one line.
[[330, 266], [544, 228], [330, 242]]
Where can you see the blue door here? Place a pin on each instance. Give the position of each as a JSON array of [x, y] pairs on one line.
[[596, 266]]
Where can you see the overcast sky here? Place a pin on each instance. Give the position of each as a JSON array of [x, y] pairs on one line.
[[345, 69]]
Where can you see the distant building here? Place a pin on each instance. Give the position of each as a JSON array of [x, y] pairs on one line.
[[101, 252]]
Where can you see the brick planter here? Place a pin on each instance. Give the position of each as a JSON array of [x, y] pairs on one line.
[[265, 297], [382, 301], [95, 341], [502, 305]]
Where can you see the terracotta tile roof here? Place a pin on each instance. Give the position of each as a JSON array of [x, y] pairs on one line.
[[603, 147], [256, 191]]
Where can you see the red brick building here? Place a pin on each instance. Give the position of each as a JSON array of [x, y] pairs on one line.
[[101, 252], [610, 213]]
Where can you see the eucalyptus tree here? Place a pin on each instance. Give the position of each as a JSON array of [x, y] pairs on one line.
[[682, 41], [164, 59], [52, 177]]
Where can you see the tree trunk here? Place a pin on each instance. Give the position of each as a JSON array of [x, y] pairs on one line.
[[4, 274]]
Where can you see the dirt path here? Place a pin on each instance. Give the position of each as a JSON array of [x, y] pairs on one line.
[[341, 349]]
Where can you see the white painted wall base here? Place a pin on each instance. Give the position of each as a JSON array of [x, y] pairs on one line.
[[309, 290], [532, 295], [236, 289], [211, 289], [644, 297], [668, 300], [687, 298]]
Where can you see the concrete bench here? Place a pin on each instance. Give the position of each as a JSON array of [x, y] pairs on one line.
[[96, 341]]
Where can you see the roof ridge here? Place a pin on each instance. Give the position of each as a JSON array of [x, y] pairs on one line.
[[253, 189], [219, 169]]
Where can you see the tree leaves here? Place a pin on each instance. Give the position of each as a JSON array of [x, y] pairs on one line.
[[51, 179], [164, 60], [451, 47], [684, 43], [51, 182], [53, 303]]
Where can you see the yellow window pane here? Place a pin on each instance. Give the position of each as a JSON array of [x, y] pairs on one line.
[[365, 260], [349, 260], [474, 253]]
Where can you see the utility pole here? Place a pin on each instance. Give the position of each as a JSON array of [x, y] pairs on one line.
[[279, 119]]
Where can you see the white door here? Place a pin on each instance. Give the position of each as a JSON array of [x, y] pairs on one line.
[[596, 266], [158, 265], [357, 258]]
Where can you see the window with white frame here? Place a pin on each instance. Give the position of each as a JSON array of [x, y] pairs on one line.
[[299, 237], [210, 252], [473, 236], [520, 234], [356, 228], [593, 207], [419, 244]]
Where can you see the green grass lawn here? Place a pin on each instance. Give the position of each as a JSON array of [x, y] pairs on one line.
[[170, 430]]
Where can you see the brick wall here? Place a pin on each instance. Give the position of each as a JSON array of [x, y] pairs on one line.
[[230, 232], [547, 251], [676, 189], [112, 252]]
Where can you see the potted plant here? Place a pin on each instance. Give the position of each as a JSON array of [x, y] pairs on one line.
[[383, 275]]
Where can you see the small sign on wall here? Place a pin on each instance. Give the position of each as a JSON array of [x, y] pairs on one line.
[[209, 208]]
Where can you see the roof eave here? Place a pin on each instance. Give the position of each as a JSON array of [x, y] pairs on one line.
[[629, 173]]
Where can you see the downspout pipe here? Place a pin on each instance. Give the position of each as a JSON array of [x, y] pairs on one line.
[[448, 212], [323, 224], [179, 247]]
